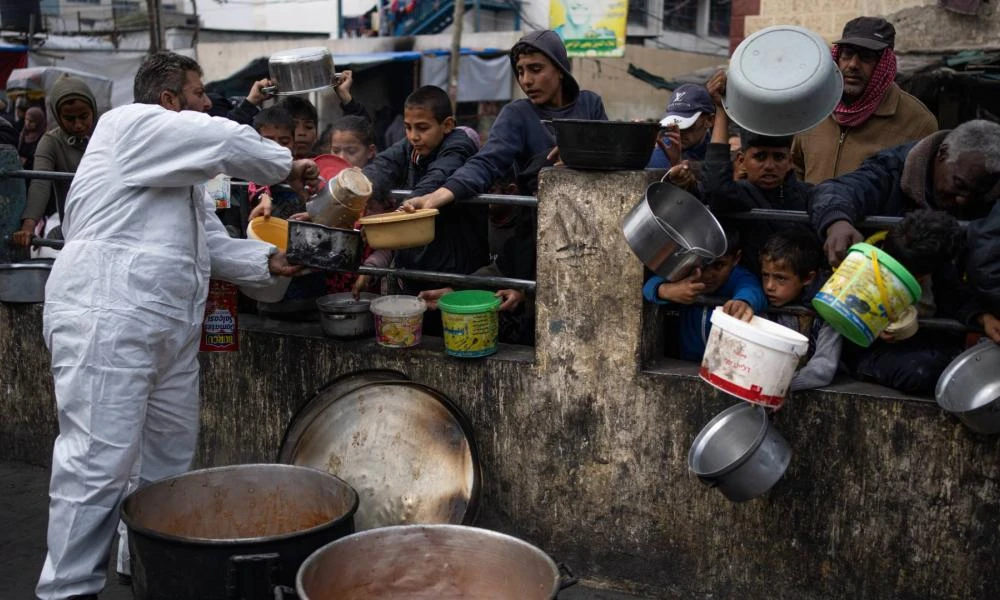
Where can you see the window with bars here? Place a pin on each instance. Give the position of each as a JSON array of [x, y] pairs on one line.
[[638, 12], [680, 15]]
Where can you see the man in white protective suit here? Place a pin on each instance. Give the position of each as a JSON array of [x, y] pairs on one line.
[[126, 298]]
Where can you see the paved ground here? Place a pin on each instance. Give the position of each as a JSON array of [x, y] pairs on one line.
[[23, 514]]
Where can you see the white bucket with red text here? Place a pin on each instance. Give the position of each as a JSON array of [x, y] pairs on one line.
[[753, 361]]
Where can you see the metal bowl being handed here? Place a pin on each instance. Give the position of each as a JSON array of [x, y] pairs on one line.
[[300, 70]]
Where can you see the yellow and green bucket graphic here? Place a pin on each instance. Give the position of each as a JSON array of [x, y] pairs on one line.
[[470, 323]]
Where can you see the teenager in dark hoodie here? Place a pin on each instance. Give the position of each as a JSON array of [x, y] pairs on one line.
[[60, 149], [543, 71]]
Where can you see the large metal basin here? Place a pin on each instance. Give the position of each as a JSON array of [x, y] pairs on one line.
[[429, 562], [672, 232], [232, 532], [301, 70], [969, 388]]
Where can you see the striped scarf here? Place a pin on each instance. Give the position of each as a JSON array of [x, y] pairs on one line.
[[864, 107]]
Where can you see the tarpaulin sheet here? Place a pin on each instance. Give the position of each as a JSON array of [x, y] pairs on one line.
[[479, 79]]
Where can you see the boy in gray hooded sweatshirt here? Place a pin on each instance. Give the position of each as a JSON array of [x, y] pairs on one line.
[[542, 68]]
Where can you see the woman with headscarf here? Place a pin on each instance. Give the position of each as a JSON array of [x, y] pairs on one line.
[[59, 149], [34, 128]]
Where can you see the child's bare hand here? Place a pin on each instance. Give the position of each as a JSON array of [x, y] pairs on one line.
[[511, 299], [684, 291], [431, 297], [669, 141], [991, 325], [257, 94], [263, 208], [739, 309], [302, 216], [681, 176], [360, 285]]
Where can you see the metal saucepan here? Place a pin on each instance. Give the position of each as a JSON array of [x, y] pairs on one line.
[[672, 232], [969, 388], [325, 248], [300, 71], [430, 562], [740, 452], [345, 317], [24, 281]]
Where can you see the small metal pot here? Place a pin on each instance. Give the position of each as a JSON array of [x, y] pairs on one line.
[[740, 452], [24, 282], [324, 248], [344, 317], [672, 232], [411, 562], [969, 388], [300, 71]]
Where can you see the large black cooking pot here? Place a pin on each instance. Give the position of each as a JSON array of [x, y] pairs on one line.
[[605, 145], [232, 533]]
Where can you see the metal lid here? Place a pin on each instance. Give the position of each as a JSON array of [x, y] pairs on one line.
[[407, 450]]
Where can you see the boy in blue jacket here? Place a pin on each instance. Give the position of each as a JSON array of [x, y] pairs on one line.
[[543, 71], [723, 277]]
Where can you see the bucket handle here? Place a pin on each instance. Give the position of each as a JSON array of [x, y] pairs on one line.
[[566, 577], [880, 282]]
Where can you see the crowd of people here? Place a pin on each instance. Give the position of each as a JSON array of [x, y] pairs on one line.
[[122, 309]]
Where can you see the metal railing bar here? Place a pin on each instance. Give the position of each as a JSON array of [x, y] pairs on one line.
[[453, 278]]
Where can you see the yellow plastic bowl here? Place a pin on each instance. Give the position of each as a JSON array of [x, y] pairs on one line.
[[272, 230], [400, 230]]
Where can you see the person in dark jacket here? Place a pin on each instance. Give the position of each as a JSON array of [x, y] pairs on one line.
[[543, 71], [433, 150], [957, 171], [687, 127], [769, 182], [982, 267]]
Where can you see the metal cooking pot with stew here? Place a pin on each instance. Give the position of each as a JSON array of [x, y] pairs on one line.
[[430, 562], [236, 532]]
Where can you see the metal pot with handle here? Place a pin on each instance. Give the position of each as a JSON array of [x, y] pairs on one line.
[[300, 71], [672, 232], [345, 317]]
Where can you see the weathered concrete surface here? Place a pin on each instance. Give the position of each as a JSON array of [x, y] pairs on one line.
[[585, 453]]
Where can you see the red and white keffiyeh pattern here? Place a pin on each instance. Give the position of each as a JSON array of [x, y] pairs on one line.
[[864, 107]]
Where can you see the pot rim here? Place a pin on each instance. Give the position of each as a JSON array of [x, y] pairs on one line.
[[957, 365], [199, 541], [406, 529], [712, 428]]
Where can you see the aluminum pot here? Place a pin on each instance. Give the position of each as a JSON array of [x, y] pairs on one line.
[[969, 388], [430, 562], [324, 248], [300, 70], [232, 532], [672, 232], [740, 452], [24, 282], [604, 145], [781, 81], [344, 317]]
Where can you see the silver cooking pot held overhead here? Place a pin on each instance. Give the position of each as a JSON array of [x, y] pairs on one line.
[[300, 71]]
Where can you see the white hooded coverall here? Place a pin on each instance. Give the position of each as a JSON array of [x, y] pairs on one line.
[[123, 310]]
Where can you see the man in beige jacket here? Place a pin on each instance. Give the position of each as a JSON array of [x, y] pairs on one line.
[[873, 113]]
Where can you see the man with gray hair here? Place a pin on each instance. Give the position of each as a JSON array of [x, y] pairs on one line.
[[125, 302], [957, 171]]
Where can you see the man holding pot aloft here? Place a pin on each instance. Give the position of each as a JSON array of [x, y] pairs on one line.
[[125, 301]]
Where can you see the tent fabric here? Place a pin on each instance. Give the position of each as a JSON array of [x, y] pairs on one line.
[[479, 79]]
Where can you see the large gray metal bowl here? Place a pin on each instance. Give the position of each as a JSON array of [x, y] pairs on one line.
[[24, 282], [782, 80], [969, 388], [740, 452], [672, 232], [429, 562]]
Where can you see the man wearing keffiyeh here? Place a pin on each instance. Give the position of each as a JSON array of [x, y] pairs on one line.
[[873, 113]]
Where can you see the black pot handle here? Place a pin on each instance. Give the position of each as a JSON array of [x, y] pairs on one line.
[[283, 592], [566, 577], [251, 576]]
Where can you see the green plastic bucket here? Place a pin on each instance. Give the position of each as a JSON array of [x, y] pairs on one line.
[[470, 323], [852, 302]]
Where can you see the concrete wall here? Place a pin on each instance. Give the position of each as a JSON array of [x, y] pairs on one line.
[[825, 17], [584, 445]]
